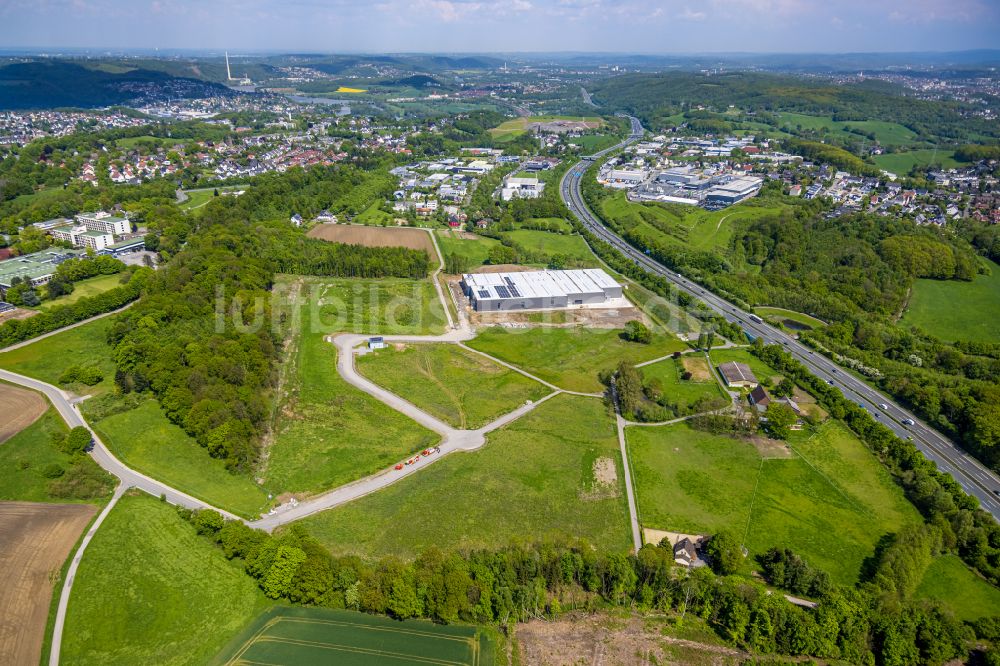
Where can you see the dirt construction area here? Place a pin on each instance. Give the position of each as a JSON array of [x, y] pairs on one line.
[[613, 641], [35, 540], [20, 408], [356, 234]]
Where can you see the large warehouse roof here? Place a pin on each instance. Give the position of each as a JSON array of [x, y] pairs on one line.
[[538, 284]]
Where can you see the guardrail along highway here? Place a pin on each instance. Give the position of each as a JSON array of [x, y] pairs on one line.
[[973, 476]]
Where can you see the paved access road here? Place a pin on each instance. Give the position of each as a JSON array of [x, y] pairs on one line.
[[972, 475]]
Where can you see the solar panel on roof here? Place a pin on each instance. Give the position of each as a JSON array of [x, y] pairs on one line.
[[502, 292], [483, 293], [512, 287]]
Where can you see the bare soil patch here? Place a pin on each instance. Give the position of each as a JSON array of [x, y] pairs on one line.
[[17, 313], [590, 317], [563, 126], [355, 234], [504, 268], [649, 535], [37, 539], [20, 408], [698, 367], [578, 638], [770, 448], [605, 472]]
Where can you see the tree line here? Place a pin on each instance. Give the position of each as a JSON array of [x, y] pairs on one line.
[[516, 583]]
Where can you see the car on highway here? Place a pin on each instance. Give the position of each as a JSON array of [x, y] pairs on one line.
[[909, 422], [884, 406], [830, 382]]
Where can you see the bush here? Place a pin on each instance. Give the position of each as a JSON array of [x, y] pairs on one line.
[[83, 480], [77, 441], [724, 553], [636, 331], [53, 471], [83, 374]]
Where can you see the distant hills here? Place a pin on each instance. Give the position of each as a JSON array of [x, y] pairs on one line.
[[47, 84]]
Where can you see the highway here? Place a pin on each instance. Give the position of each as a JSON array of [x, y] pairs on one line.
[[973, 476]]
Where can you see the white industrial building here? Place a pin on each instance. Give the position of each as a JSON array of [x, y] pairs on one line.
[[521, 188], [536, 290], [734, 191]]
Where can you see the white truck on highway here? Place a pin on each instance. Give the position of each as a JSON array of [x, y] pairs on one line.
[[757, 319]]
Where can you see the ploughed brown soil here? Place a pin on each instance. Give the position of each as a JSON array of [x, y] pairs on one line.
[[20, 408], [35, 540], [353, 234]]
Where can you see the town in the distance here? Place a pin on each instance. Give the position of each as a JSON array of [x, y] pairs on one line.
[[500, 359]]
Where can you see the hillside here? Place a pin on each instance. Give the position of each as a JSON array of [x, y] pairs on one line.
[[46, 84]]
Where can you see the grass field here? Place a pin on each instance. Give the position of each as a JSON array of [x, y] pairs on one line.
[[515, 127], [888, 134], [901, 163], [760, 369], [830, 502], [533, 480], [689, 226], [570, 358], [683, 392], [373, 215], [954, 310], [84, 289], [145, 440], [553, 222], [383, 306], [950, 582], [199, 197], [289, 636], [572, 247], [475, 250], [591, 143], [327, 432], [150, 591], [457, 386], [25, 456], [789, 318], [47, 359]]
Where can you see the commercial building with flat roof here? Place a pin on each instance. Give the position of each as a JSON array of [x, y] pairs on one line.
[[36, 268], [537, 290], [734, 191], [105, 222]]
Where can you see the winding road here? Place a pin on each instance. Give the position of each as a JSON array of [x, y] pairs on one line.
[[975, 478]]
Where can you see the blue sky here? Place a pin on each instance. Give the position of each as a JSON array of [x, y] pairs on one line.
[[635, 26]]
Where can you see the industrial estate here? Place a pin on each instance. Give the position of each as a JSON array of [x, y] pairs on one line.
[[484, 360]]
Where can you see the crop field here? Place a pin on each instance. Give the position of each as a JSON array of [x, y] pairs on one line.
[[47, 359], [149, 590], [901, 163], [145, 440], [289, 636], [326, 432], [554, 473], [85, 289], [21, 408], [572, 247], [354, 234], [789, 318], [37, 539], [954, 310], [690, 226], [830, 501], [454, 384], [570, 358], [952, 584], [475, 249], [681, 391]]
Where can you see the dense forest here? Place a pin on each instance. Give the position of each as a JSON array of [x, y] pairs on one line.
[[211, 373]]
